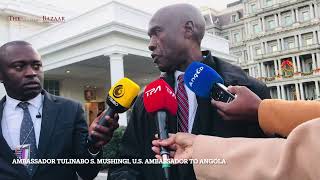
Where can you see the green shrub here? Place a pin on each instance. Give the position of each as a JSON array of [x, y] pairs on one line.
[[111, 150]]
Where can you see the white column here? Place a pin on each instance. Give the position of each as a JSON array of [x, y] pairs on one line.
[[268, 70], [282, 44], [316, 10], [251, 51], [296, 43], [279, 44], [300, 40], [297, 91], [318, 37], [294, 64], [276, 67], [263, 25], [293, 16], [262, 48], [265, 47], [259, 70], [278, 92], [263, 70], [248, 53], [318, 60], [116, 73], [279, 16], [311, 11], [283, 94], [276, 20], [299, 63], [314, 65], [314, 39], [317, 89], [301, 91], [250, 71], [280, 70], [297, 15]]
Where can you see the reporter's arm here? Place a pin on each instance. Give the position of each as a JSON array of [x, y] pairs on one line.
[[281, 117], [274, 159]]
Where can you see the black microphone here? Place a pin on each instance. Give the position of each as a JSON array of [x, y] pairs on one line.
[[38, 115]]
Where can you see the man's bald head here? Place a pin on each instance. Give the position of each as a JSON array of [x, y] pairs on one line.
[[180, 14]]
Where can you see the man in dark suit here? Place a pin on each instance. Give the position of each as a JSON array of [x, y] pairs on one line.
[[46, 126], [175, 41]]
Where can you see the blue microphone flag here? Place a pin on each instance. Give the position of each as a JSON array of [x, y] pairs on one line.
[[200, 79]]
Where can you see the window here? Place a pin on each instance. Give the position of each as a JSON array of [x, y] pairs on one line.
[[236, 37], [52, 86], [258, 51], [256, 28], [287, 20], [309, 42], [207, 19], [305, 16], [290, 45], [271, 24], [253, 8], [274, 48], [269, 2], [234, 18], [226, 37]]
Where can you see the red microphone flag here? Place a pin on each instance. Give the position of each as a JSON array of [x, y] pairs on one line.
[[158, 95]]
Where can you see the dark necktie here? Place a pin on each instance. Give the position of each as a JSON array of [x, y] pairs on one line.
[[183, 106], [27, 134]]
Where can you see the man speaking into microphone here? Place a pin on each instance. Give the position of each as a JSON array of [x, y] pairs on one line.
[[176, 33]]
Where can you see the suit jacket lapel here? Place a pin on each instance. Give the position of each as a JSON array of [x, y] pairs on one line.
[[49, 116], [6, 152]]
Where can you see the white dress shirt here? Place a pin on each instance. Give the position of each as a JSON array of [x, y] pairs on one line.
[[12, 119], [192, 100]]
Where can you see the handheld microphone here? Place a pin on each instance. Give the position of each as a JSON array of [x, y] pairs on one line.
[[206, 82], [38, 115], [120, 98], [159, 99]]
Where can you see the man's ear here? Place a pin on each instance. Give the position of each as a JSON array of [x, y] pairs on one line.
[[189, 30]]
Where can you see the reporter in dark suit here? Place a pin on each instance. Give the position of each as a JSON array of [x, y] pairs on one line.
[[52, 127]]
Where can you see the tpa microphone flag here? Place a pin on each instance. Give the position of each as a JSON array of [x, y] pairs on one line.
[[200, 79], [160, 99], [158, 95]]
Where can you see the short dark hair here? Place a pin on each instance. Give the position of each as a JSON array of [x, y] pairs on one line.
[[3, 48]]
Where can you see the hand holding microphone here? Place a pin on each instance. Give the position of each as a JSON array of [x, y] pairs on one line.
[[159, 99], [120, 98], [233, 103], [206, 82]]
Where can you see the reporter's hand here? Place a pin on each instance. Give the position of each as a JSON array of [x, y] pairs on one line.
[[101, 133], [244, 107], [180, 145]]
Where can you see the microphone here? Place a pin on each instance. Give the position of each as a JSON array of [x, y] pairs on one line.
[[120, 98], [159, 99], [206, 82], [38, 115]]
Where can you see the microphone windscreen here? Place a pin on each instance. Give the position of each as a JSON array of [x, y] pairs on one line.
[[200, 79], [158, 95], [122, 95]]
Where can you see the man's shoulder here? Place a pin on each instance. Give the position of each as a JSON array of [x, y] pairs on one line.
[[63, 100]]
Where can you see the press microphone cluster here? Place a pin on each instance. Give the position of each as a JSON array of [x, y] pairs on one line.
[[206, 82], [160, 99], [120, 98]]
